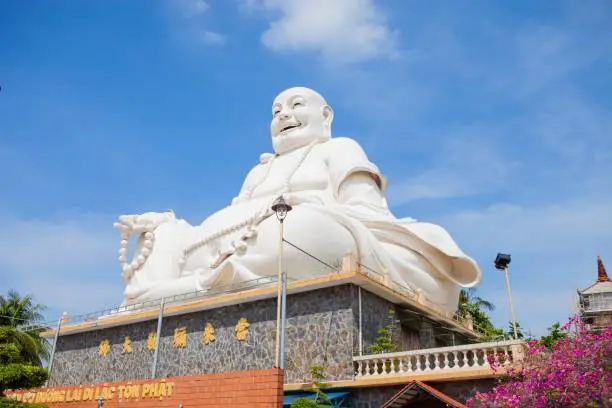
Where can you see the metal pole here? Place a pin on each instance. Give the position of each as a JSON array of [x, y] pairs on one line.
[[360, 324], [512, 314], [59, 325], [157, 337], [283, 321], [279, 293]]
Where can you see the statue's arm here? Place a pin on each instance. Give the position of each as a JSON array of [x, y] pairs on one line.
[[362, 189], [356, 180]]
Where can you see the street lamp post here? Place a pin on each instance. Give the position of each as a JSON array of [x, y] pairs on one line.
[[281, 208], [501, 264]]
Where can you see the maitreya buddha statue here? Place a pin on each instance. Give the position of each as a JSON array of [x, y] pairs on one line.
[[339, 206]]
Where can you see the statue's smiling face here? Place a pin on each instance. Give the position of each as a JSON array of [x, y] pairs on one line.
[[299, 116]]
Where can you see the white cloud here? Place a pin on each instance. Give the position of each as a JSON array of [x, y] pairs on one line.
[[195, 21], [192, 8], [536, 308], [554, 248], [212, 38], [537, 57], [466, 163], [567, 227], [68, 264], [342, 31]]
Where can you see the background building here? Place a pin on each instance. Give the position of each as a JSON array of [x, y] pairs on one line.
[[595, 302]]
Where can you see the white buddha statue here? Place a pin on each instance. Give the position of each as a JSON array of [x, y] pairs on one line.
[[339, 206]]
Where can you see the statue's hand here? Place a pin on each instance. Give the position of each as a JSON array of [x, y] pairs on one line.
[[143, 222]]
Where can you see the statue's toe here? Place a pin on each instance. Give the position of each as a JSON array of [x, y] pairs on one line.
[[127, 220]]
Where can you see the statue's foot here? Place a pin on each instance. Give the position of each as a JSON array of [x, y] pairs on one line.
[[160, 289]]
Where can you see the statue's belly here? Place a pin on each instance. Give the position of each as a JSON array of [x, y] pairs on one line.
[[231, 216], [316, 242]]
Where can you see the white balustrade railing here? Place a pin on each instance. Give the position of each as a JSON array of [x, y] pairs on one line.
[[466, 357]]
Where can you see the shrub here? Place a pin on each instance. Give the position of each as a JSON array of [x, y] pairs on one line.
[[17, 375], [306, 403], [576, 372], [9, 403]]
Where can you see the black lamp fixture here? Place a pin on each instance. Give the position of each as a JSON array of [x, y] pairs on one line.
[[502, 261], [281, 208]]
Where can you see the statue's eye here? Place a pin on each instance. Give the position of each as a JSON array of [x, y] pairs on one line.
[[275, 113], [297, 104]]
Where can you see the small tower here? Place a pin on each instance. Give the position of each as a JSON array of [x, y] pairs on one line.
[[595, 302]]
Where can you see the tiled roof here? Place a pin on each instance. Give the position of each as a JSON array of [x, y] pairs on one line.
[[603, 283], [602, 276], [412, 393]]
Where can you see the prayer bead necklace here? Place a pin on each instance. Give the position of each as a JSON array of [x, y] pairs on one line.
[[250, 222]]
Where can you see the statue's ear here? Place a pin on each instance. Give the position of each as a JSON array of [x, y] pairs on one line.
[[328, 115]]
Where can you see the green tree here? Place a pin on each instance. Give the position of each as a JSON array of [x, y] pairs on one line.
[[387, 340], [321, 400], [306, 403], [477, 308], [9, 403], [468, 300], [15, 369], [21, 376], [519, 331], [14, 341], [21, 346], [24, 315], [555, 332], [17, 310]]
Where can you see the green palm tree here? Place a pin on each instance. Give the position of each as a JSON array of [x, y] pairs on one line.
[[21, 324], [469, 301], [21, 346], [19, 311], [477, 307]]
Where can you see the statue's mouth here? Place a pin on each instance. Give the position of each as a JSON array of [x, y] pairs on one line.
[[289, 127]]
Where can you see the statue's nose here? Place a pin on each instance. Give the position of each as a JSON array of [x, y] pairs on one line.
[[284, 116]]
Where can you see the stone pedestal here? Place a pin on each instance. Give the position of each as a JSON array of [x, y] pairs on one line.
[[326, 323]]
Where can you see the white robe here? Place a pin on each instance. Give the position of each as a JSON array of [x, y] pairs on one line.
[[338, 203]]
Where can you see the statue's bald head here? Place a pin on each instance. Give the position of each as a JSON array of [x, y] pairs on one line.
[[299, 117], [312, 95]]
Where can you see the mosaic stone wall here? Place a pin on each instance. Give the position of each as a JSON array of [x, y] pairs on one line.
[[77, 359], [319, 325], [375, 311], [320, 330]]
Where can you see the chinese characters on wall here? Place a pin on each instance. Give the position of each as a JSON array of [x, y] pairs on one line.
[[208, 335], [104, 348], [151, 341], [127, 345], [242, 329], [179, 340]]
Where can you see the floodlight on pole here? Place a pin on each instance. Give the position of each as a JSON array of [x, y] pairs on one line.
[[501, 264], [281, 208]]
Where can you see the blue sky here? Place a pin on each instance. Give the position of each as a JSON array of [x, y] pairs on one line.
[[492, 119]]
